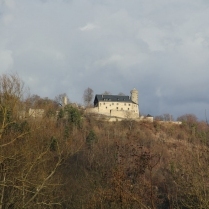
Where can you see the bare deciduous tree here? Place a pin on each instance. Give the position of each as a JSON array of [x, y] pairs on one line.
[[88, 96], [164, 117], [60, 99], [121, 94], [106, 93], [188, 118], [11, 100], [28, 163]]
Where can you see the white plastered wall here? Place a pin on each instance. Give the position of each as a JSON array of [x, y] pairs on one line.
[[108, 106]]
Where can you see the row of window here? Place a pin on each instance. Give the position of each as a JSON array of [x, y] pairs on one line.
[[114, 103], [117, 108], [110, 99], [122, 109]]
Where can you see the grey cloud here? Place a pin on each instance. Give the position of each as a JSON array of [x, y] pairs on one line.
[[161, 48]]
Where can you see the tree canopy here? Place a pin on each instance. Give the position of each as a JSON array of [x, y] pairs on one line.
[[88, 96]]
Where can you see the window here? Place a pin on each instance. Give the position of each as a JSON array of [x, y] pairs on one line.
[[121, 108], [125, 104], [128, 108], [106, 107], [129, 104], [112, 103], [117, 103], [117, 108], [104, 103]]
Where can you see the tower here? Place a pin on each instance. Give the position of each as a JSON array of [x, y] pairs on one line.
[[64, 101], [134, 96]]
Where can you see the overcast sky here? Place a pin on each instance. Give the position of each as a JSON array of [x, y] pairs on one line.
[[159, 47]]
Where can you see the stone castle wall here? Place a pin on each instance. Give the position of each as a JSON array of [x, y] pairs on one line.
[[108, 106], [124, 114], [115, 113]]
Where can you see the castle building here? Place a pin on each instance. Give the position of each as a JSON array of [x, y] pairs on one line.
[[118, 106]]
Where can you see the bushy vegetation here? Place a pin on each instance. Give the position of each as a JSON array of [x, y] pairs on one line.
[[69, 159]]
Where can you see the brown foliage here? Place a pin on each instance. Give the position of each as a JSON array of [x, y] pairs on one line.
[[48, 163]]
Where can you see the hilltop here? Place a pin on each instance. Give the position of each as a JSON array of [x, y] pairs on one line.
[[72, 159]]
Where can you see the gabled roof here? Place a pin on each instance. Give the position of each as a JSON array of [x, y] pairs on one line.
[[113, 98]]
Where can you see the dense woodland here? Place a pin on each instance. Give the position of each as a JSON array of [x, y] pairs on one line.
[[78, 161]]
